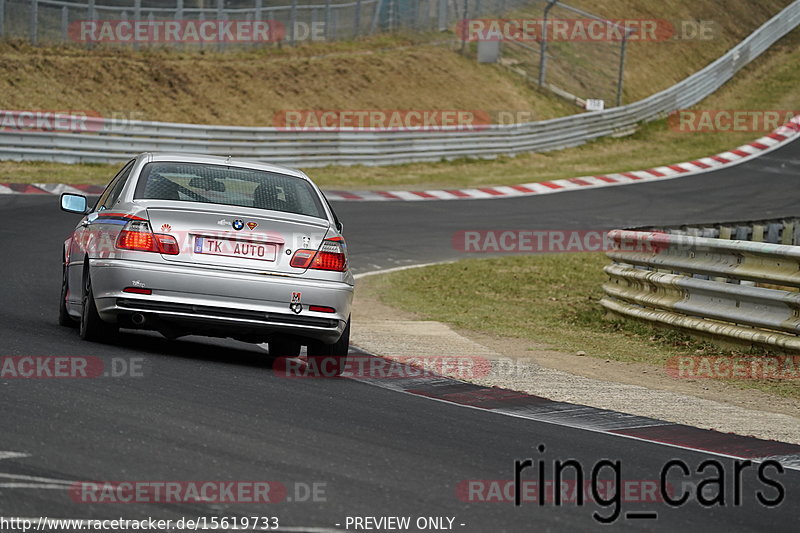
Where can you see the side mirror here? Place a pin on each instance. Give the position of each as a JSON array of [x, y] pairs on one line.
[[73, 203]]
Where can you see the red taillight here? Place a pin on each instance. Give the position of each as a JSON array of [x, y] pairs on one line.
[[136, 235], [331, 256], [302, 258], [137, 290], [167, 244], [321, 309], [329, 261], [136, 240]]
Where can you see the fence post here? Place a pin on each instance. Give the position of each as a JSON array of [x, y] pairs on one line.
[[327, 20], [442, 15], [357, 21], [293, 22], [543, 48], [2, 18], [259, 7], [376, 18], [64, 24], [463, 24], [179, 10], [221, 45], [621, 77], [33, 30]]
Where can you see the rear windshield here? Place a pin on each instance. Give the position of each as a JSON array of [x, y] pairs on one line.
[[218, 184]]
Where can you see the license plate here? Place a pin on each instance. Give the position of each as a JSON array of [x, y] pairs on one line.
[[230, 248]]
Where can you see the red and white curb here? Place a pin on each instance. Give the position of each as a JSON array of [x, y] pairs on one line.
[[780, 136], [786, 133], [537, 408]]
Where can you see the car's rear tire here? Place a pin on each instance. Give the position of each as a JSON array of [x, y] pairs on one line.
[[92, 327], [330, 358], [64, 318]]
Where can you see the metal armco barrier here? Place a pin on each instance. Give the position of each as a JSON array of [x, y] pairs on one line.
[[111, 141], [664, 278]]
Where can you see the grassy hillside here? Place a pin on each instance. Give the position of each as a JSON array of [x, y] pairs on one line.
[[247, 88], [768, 83], [385, 72], [399, 72]]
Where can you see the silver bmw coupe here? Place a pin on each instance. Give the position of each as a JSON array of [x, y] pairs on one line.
[[200, 245]]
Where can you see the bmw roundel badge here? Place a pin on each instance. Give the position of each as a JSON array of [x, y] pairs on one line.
[[237, 224]]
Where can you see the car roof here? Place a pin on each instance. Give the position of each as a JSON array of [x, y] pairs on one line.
[[228, 161]]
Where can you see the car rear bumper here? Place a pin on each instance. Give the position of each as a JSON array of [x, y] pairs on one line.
[[216, 302]]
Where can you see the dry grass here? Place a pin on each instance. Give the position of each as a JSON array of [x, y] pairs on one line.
[[248, 88]]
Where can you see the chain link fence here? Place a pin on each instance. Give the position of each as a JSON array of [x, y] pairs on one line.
[[58, 21], [574, 53], [556, 57]]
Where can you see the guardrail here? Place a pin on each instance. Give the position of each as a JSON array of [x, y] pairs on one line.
[[741, 290], [111, 141]]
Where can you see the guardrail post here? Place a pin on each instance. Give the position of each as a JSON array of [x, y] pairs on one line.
[[179, 10], [292, 22], [33, 28], [787, 234], [2, 18], [357, 19], [543, 46], [758, 233]]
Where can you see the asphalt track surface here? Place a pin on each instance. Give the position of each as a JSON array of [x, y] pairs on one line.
[[214, 410]]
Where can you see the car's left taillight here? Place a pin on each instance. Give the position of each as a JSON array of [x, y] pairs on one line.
[[330, 256], [137, 235]]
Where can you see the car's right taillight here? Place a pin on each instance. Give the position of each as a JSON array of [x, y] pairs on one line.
[[137, 235], [330, 256]]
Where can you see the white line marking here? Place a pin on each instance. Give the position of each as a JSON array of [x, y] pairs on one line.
[[13, 455], [39, 479], [32, 486], [407, 267]]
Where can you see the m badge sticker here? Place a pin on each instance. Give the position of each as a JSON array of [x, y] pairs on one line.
[[296, 306]]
